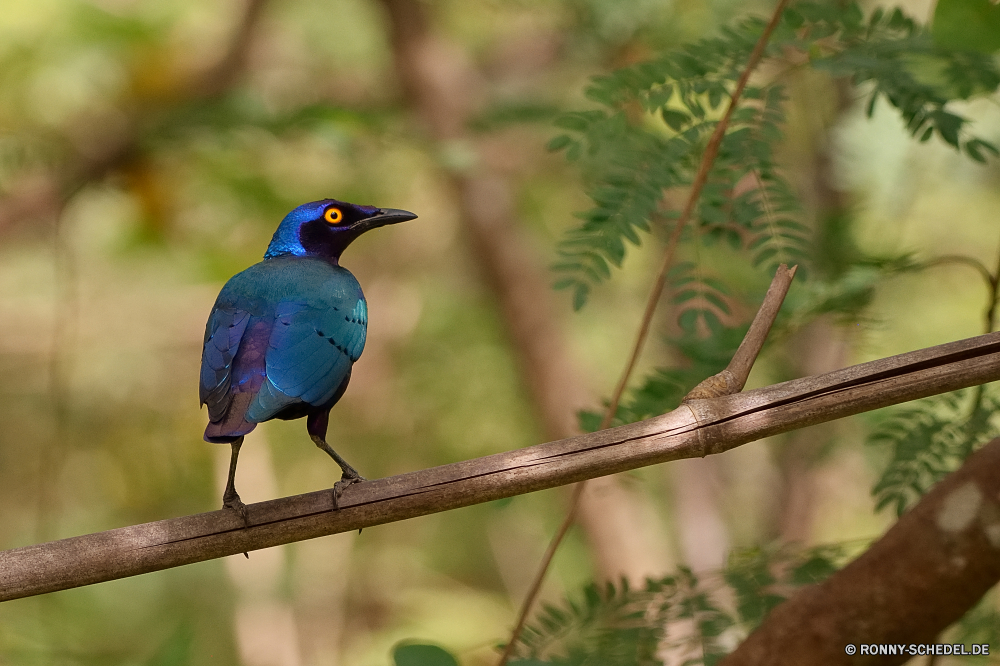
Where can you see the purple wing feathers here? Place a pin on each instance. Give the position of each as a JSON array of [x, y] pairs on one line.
[[222, 340]]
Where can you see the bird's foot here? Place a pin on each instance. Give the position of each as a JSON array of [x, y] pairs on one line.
[[345, 481], [234, 503]]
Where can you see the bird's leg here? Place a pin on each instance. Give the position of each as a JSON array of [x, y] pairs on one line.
[[349, 472], [231, 498], [350, 475], [316, 425]]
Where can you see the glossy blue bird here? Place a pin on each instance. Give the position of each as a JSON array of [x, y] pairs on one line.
[[284, 334]]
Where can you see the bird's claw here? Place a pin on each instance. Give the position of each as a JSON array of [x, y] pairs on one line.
[[234, 503], [338, 488]]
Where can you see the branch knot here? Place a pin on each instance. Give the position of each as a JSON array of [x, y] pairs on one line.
[[720, 384]]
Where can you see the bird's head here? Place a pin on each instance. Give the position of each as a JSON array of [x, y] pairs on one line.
[[325, 228]]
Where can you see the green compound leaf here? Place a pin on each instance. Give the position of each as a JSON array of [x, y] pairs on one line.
[[929, 439], [642, 145], [677, 616]]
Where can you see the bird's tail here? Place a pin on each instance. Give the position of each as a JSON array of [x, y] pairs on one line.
[[233, 424]]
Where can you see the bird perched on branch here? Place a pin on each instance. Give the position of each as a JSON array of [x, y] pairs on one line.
[[284, 334]]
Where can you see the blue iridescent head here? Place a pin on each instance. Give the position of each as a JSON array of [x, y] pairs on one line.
[[325, 228]]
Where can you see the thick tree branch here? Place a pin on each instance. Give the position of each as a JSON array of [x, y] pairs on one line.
[[697, 428], [919, 578]]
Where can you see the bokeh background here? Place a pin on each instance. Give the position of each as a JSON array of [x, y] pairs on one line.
[[149, 149]]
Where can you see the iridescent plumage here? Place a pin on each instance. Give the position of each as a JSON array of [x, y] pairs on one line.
[[284, 334]]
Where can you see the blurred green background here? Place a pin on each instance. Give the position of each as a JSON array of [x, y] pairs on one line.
[[149, 149]]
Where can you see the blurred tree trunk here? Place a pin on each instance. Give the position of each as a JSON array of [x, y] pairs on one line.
[[821, 346], [934, 564], [701, 528], [266, 630], [818, 349], [109, 142], [444, 88], [321, 576]]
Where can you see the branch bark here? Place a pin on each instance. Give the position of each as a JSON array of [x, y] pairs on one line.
[[697, 184], [923, 575], [697, 428], [734, 377]]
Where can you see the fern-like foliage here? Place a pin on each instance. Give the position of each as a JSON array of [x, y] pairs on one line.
[[621, 626], [653, 120], [931, 438], [648, 138], [762, 578], [919, 78], [679, 616]]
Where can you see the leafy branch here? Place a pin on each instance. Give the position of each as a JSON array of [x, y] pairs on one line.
[[932, 437], [779, 288], [929, 440], [680, 615], [653, 120]]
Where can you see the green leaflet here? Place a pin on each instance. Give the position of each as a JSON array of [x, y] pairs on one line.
[[679, 614], [652, 121], [929, 439]]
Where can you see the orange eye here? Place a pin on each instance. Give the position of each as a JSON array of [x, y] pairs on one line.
[[333, 215]]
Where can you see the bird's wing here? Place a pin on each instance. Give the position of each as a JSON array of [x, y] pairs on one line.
[[223, 333], [312, 348]]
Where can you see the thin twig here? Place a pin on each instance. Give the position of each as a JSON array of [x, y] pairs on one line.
[[729, 381], [701, 177], [991, 311], [993, 280], [734, 377], [988, 277], [753, 341], [536, 584]]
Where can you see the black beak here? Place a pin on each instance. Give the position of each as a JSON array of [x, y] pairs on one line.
[[385, 216]]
